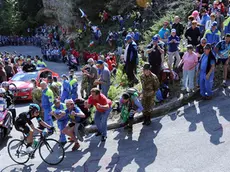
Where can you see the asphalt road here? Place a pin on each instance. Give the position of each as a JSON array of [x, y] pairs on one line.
[[193, 139]]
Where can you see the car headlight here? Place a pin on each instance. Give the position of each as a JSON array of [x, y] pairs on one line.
[[25, 89]]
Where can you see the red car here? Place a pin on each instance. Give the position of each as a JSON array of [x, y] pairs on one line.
[[24, 86]]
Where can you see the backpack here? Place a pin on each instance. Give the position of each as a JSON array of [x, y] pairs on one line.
[[162, 93], [125, 109]]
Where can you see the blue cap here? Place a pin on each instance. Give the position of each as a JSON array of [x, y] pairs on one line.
[[214, 23], [128, 37], [100, 62], [155, 38]]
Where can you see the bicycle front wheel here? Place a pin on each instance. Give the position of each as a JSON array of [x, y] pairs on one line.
[[17, 151], [51, 152]]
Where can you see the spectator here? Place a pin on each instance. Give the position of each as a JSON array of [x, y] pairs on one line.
[[103, 108], [136, 37], [58, 111], [53, 86], [98, 35], [47, 102], [178, 26], [193, 34], [173, 43], [222, 50], [189, 61], [29, 67], [131, 60], [196, 16], [104, 79], [213, 35], [204, 19], [190, 20], [220, 21], [9, 70], [210, 22], [150, 84], [227, 25], [65, 89], [74, 86], [155, 50], [164, 32], [206, 68], [3, 76], [200, 47], [75, 115]]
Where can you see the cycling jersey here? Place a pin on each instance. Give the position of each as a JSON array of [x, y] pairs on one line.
[[26, 117]]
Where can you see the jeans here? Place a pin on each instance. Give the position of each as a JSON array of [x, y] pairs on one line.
[[171, 58], [105, 89], [188, 78], [206, 85], [100, 120], [61, 125]]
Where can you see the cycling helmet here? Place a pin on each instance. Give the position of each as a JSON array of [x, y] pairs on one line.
[[33, 106], [2, 91], [5, 84]]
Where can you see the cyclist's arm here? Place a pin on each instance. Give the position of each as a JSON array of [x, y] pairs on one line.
[[44, 124]]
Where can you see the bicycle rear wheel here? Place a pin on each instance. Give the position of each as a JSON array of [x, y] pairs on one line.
[[51, 152], [17, 151]]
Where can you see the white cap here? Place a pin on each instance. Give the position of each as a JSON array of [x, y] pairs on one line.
[[90, 60]]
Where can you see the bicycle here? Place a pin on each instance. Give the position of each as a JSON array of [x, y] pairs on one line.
[[49, 149]]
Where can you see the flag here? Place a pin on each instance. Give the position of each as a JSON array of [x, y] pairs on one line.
[[82, 13]]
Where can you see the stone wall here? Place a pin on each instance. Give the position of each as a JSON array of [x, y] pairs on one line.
[[62, 11]]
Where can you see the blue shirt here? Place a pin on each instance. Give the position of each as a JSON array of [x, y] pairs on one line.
[[163, 32], [204, 63], [105, 76], [203, 22], [173, 46], [74, 118], [223, 49]]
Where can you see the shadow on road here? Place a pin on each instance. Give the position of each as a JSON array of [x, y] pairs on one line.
[[17, 167], [207, 113], [129, 149]]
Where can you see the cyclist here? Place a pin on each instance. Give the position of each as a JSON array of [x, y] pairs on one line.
[[24, 124]]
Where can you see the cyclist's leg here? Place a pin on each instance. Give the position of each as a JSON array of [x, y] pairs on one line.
[[22, 127]]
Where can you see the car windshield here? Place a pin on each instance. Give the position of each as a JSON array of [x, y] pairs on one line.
[[25, 76]]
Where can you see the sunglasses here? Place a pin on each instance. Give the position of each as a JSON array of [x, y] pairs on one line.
[[203, 42]]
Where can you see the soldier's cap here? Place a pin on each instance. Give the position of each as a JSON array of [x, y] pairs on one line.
[[147, 66]]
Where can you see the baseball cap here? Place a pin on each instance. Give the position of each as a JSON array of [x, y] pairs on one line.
[[100, 62], [214, 23], [155, 38], [128, 37], [173, 31]]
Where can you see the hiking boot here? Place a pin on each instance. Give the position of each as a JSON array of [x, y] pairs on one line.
[[76, 146], [98, 134], [103, 138]]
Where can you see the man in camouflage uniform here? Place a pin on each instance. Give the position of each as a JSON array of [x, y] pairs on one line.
[[150, 85], [85, 82], [53, 86], [37, 95]]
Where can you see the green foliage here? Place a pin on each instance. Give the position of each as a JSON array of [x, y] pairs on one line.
[[17, 15]]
